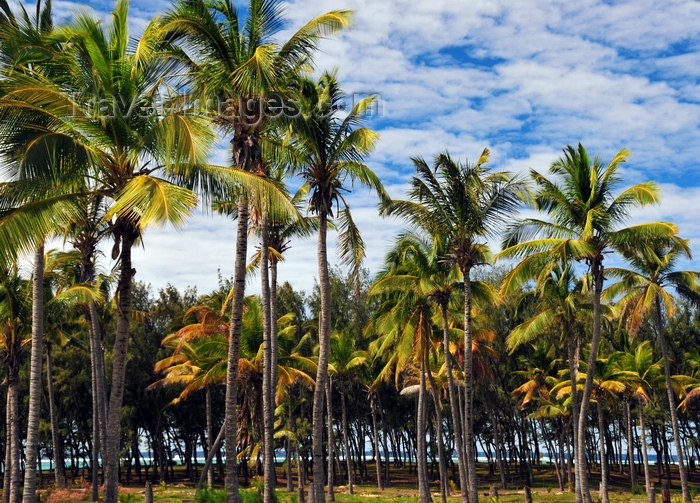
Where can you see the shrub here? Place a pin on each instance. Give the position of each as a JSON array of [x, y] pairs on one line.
[[210, 496]]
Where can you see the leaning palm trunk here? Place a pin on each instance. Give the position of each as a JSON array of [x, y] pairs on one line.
[[121, 343], [35, 390], [324, 334], [454, 409], [603, 458], [597, 273], [672, 403], [268, 383], [469, 389], [60, 469], [234, 351]]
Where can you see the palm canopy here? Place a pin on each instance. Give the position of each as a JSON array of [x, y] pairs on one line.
[[652, 275], [461, 202], [585, 215]]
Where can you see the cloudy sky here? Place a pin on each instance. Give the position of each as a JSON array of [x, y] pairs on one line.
[[523, 78]]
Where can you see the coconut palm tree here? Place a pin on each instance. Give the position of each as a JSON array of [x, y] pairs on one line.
[[646, 289], [585, 222], [235, 57], [328, 149], [644, 374], [89, 117], [463, 204], [14, 312]]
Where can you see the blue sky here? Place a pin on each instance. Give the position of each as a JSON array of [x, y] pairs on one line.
[[522, 78]]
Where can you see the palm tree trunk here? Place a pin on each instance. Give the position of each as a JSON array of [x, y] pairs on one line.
[[598, 279], [60, 469], [651, 496], [210, 455], [603, 458], [421, 447], [35, 390], [469, 389], [13, 439], [331, 441], [268, 388], [324, 334], [375, 432], [121, 343], [573, 343], [630, 445], [99, 390], [672, 403], [444, 489], [234, 351], [8, 449], [454, 407], [346, 444], [210, 437]]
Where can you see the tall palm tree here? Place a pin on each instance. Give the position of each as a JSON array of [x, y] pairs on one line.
[[585, 222], [235, 57], [88, 117], [647, 289], [560, 299], [14, 311], [463, 204], [328, 149]]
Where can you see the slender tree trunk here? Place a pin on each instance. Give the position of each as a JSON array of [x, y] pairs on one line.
[[234, 351], [573, 343], [603, 458], [598, 279], [121, 343], [469, 388], [268, 385], [346, 444], [60, 469], [324, 334], [651, 497], [8, 448], [672, 403], [35, 390], [13, 440], [331, 441], [454, 407], [498, 442], [210, 455], [630, 444], [444, 488], [375, 431], [210, 439], [421, 447]]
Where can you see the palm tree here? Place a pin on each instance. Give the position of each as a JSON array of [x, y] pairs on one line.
[[48, 122], [560, 299], [585, 219], [344, 359], [239, 61], [328, 150], [14, 311], [646, 290], [463, 204], [643, 375]]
